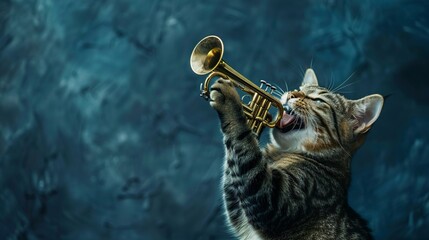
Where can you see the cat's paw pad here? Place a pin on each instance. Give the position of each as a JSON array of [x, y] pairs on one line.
[[223, 95]]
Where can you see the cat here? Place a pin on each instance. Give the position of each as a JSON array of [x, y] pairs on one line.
[[296, 187]]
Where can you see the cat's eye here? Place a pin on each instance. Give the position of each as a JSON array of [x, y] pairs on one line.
[[318, 100]]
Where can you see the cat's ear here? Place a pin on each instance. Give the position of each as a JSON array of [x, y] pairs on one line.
[[366, 111], [310, 78]]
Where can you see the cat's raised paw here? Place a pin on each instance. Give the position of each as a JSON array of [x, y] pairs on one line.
[[223, 96]]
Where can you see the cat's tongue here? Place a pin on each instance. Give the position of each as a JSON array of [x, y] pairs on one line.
[[285, 121]]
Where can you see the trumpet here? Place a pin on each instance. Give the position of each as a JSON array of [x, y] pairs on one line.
[[206, 58]]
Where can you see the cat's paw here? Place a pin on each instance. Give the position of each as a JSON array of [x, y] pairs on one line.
[[224, 97]]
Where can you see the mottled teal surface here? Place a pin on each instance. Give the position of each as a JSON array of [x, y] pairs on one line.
[[103, 134]]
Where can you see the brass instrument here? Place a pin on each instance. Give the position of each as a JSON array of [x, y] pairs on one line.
[[207, 58]]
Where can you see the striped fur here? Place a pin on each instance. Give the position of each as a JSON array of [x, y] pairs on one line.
[[296, 187]]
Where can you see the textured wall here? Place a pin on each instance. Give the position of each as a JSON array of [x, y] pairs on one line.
[[103, 134]]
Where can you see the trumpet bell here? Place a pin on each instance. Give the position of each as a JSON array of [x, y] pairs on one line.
[[207, 55]]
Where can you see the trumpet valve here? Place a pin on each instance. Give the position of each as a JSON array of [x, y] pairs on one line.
[[268, 87]]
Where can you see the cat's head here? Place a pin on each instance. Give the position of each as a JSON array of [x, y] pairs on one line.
[[319, 121]]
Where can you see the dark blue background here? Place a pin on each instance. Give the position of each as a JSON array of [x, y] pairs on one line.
[[103, 134]]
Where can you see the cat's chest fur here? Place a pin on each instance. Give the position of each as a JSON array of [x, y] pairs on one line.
[[323, 212]]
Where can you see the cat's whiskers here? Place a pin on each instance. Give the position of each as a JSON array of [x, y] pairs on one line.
[[292, 111], [331, 82], [347, 85], [279, 89], [344, 82], [300, 124], [295, 123], [278, 94], [301, 71], [346, 92], [287, 87]]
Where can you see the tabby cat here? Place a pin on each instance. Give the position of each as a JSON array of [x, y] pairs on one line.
[[296, 187]]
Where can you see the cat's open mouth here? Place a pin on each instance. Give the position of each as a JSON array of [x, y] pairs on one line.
[[290, 121]]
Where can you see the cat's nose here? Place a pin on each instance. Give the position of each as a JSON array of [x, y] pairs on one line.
[[290, 104], [288, 109]]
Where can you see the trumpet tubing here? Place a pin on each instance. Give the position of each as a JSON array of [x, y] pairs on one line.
[[206, 58]]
